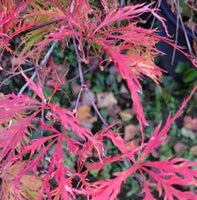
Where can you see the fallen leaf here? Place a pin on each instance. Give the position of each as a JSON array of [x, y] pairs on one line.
[[151, 184], [135, 143], [167, 140], [113, 111], [187, 133], [89, 123], [193, 150], [88, 164], [123, 89], [83, 113], [119, 78], [126, 115], [156, 153], [150, 123], [179, 147], [17, 61], [76, 88], [133, 111], [129, 132], [105, 99], [55, 74], [85, 98], [189, 123], [113, 69]]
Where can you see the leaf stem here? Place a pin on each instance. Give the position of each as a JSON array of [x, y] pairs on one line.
[[135, 174], [42, 108], [85, 72], [83, 85], [78, 98]]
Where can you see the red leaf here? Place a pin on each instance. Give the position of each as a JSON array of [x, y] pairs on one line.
[[36, 88], [108, 188], [16, 122], [173, 172], [158, 137], [125, 13], [123, 65]]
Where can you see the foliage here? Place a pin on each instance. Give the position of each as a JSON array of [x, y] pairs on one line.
[[38, 134]]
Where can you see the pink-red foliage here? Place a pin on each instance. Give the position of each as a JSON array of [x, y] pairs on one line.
[[132, 49]]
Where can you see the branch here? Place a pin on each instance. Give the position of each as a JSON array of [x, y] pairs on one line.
[[86, 71], [83, 85], [42, 25], [41, 64], [16, 74], [184, 30]]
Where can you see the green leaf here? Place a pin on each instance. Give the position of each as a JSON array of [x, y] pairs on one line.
[[189, 75], [97, 88], [181, 67]]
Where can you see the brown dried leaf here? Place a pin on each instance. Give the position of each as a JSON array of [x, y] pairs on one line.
[[193, 150], [156, 153], [129, 132], [89, 123], [189, 123], [167, 140], [76, 88], [179, 147], [83, 113], [85, 99], [119, 78], [17, 61], [105, 99], [156, 171], [135, 143], [113, 111]]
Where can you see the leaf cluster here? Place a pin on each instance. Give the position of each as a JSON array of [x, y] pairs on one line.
[[37, 167]]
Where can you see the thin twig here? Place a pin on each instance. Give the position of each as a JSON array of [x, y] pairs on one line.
[[43, 103], [83, 85], [95, 107], [79, 61], [176, 38], [184, 30], [16, 74], [135, 174], [78, 98], [154, 18], [85, 72], [27, 83], [121, 5], [41, 64], [43, 25]]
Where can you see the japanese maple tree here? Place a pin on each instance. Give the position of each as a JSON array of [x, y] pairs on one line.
[[109, 31]]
